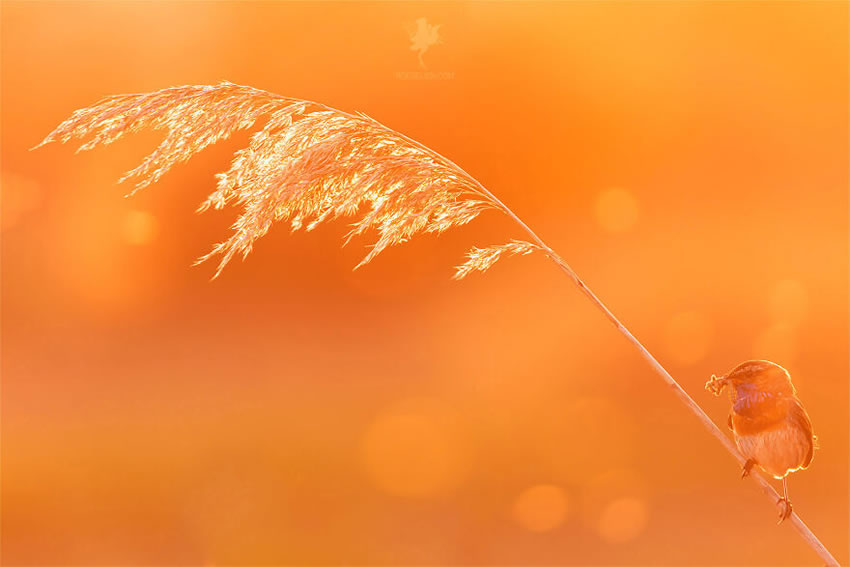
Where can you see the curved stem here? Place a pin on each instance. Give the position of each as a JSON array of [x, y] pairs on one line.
[[800, 526], [706, 421]]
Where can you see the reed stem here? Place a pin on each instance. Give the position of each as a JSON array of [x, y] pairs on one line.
[[801, 527], [180, 109]]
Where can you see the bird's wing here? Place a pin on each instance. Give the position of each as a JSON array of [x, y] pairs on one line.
[[798, 416]]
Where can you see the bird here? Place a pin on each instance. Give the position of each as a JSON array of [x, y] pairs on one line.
[[772, 429]]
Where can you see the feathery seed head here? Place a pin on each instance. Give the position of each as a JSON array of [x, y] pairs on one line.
[[307, 164]]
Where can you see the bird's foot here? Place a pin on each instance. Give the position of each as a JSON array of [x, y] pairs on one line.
[[748, 466], [785, 510]]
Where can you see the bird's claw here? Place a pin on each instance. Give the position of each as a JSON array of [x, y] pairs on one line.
[[785, 510], [748, 466]]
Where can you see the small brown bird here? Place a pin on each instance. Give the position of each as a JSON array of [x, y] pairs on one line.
[[771, 427]]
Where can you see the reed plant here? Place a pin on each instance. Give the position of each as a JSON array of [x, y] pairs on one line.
[[310, 163]]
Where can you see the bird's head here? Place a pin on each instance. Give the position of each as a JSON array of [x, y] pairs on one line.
[[753, 376]]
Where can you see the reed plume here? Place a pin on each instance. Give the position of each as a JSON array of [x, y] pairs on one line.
[[310, 163]]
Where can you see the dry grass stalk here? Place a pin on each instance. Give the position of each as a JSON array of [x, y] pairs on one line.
[[310, 163], [481, 259]]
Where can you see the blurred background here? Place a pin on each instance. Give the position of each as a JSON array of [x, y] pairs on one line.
[[689, 159]]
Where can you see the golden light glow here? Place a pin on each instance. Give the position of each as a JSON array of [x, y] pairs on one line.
[[788, 302], [20, 195], [776, 342], [617, 210], [623, 520], [541, 508], [88, 258], [413, 450], [252, 420], [610, 444], [688, 337], [139, 227]]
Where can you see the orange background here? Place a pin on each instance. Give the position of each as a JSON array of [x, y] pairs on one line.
[[689, 159]]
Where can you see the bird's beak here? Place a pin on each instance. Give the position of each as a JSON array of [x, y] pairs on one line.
[[716, 384]]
